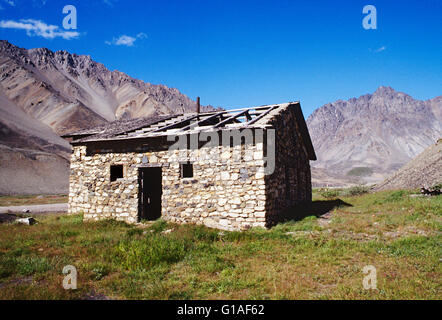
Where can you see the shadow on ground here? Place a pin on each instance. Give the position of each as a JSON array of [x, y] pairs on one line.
[[315, 208], [7, 217]]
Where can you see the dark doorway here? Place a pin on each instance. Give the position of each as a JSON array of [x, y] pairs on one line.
[[150, 191]]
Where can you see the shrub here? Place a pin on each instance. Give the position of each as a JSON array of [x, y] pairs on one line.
[[330, 194], [358, 190]]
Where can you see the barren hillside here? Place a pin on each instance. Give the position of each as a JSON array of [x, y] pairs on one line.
[[423, 171]]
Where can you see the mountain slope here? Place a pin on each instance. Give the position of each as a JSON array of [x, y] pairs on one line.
[[44, 94], [69, 92], [375, 133], [423, 171]]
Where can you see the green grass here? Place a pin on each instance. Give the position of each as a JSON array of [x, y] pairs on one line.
[[150, 251], [307, 259]]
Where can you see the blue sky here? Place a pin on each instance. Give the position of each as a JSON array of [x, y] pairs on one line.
[[246, 53]]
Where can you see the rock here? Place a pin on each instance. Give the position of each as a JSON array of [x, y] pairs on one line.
[[225, 175], [246, 226], [27, 221], [235, 200], [257, 155], [259, 175], [167, 231]]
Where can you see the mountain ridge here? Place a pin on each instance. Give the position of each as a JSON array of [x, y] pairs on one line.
[[80, 88], [381, 131]]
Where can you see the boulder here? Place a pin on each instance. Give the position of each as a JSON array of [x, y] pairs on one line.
[[27, 221]]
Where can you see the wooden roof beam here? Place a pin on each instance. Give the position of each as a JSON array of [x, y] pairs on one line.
[[196, 124], [261, 115], [175, 124], [231, 118]]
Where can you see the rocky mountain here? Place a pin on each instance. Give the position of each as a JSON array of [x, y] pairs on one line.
[[423, 171], [367, 138], [44, 94], [67, 91]]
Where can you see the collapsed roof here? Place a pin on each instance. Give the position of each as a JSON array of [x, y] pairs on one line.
[[154, 126]]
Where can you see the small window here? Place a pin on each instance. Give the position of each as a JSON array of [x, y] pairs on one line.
[[116, 172], [186, 170]]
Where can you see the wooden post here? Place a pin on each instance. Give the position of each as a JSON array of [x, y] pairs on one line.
[[198, 106]]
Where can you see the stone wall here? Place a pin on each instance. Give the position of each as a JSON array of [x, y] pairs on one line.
[[225, 192], [290, 183]]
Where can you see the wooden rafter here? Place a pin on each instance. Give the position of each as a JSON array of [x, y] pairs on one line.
[[196, 124], [175, 124], [183, 123], [235, 116], [235, 110], [128, 132], [261, 115]]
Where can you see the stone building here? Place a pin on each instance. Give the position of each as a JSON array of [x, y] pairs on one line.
[[231, 169]]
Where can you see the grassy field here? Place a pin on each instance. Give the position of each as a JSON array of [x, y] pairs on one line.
[[6, 201], [312, 258]]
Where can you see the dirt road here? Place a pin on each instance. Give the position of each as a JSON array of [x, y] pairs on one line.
[[36, 208]]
